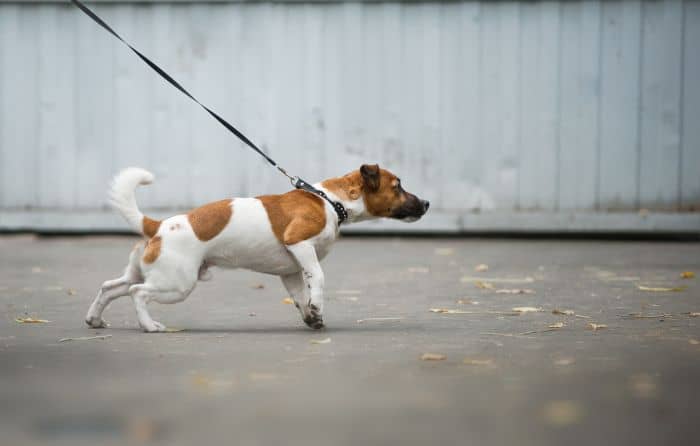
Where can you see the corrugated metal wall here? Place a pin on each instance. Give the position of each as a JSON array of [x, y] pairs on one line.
[[506, 115]]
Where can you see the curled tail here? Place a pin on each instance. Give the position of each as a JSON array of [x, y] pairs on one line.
[[123, 199]]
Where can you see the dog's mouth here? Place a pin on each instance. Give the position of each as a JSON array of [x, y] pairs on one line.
[[412, 210]]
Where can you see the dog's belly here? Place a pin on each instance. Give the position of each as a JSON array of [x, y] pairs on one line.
[[248, 242]]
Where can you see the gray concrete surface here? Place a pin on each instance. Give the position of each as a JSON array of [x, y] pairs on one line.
[[244, 371]]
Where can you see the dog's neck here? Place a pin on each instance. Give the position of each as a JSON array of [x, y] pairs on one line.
[[348, 191]]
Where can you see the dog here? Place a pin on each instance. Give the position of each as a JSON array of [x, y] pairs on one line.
[[286, 235]]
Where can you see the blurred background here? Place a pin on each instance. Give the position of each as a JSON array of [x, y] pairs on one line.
[[525, 116]]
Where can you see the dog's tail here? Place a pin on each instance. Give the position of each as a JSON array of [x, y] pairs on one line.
[[123, 199]]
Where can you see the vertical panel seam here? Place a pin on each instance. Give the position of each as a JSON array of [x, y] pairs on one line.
[[599, 106], [640, 106], [557, 156], [681, 111]]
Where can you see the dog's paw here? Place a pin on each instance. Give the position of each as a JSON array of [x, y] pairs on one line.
[[313, 317], [154, 327], [96, 322]]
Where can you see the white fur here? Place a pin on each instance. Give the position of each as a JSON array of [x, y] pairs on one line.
[[122, 197], [246, 242]]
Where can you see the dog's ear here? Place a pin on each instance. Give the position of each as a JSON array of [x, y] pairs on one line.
[[370, 176]]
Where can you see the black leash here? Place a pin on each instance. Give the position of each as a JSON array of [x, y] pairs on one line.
[[296, 181]]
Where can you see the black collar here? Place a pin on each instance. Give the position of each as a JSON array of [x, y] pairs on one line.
[[337, 206]]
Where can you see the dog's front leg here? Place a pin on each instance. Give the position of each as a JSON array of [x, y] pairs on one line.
[[311, 305]]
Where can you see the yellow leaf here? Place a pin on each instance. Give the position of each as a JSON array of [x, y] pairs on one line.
[[288, 301], [320, 341], [483, 285], [30, 320], [595, 327], [563, 312], [173, 330], [432, 357], [687, 275], [527, 309], [448, 311], [480, 362], [661, 289], [482, 267], [557, 325]]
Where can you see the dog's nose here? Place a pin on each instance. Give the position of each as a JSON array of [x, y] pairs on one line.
[[426, 205]]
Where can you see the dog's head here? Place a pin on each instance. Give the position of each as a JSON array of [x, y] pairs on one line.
[[384, 195]]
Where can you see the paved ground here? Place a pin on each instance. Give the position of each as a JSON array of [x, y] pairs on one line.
[[244, 371]]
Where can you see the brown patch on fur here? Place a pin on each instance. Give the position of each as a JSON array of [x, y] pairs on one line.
[[150, 226], [380, 193], [347, 187], [152, 251], [209, 220], [294, 216]]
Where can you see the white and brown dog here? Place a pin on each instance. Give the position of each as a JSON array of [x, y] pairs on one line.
[[285, 235]]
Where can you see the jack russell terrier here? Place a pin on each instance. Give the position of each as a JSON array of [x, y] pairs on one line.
[[285, 235]]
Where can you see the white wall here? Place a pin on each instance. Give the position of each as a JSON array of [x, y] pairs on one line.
[[568, 115]]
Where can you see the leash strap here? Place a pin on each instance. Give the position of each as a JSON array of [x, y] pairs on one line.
[[296, 181]]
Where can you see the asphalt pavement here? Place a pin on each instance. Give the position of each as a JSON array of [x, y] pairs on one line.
[[491, 364]]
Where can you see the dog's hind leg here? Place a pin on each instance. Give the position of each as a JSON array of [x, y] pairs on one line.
[[142, 294], [113, 289]]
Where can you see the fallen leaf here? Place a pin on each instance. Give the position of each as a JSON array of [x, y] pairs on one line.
[[432, 357], [320, 341], [483, 285], [563, 312], [562, 413], [515, 291], [448, 311], [694, 314], [418, 269], [687, 275], [557, 325], [564, 361], [479, 362], [595, 327], [527, 309], [85, 338], [71, 292], [482, 267], [467, 301], [257, 286], [444, 251], [379, 319], [288, 301], [693, 341], [528, 279], [661, 289], [30, 320], [173, 330]]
